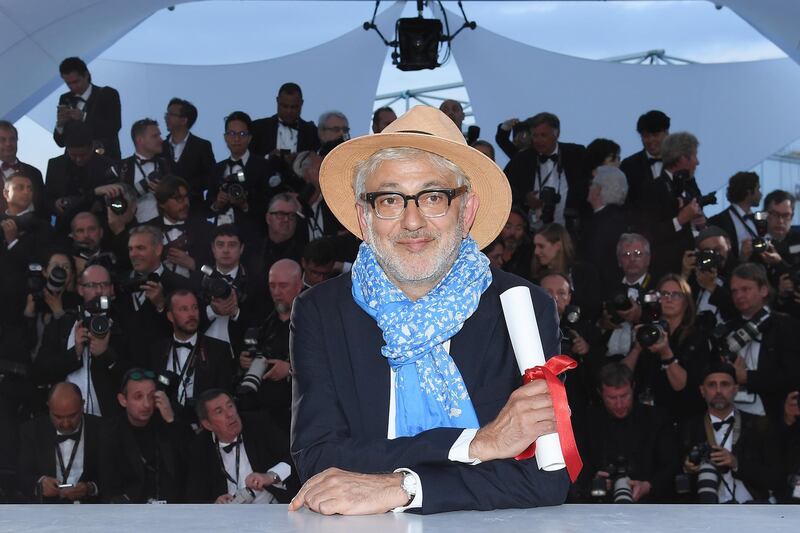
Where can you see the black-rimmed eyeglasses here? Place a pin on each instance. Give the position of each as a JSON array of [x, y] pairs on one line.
[[432, 203]]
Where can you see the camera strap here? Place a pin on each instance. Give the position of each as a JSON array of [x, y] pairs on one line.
[[556, 168], [752, 233], [186, 372], [65, 471], [735, 429], [237, 444]]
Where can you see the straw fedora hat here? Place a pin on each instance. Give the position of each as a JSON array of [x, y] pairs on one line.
[[425, 128]]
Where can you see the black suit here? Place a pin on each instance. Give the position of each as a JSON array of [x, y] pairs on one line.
[[66, 179], [194, 164], [37, 182], [265, 445], [724, 220], [31, 243], [523, 169], [103, 116], [196, 230], [639, 173], [340, 396], [37, 456], [599, 242], [265, 135]]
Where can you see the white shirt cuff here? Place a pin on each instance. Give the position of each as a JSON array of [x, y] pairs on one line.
[[283, 471], [459, 451], [12, 244], [416, 503], [676, 224], [210, 313]]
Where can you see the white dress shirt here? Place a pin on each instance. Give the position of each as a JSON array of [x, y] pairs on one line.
[[146, 205], [656, 167], [82, 377], [218, 328], [287, 138], [175, 231], [66, 448], [177, 148], [549, 176], [282, 469], [728, 482], [744, 230], [186, 384]]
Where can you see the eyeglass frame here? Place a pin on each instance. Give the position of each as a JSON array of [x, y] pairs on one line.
[[283, 215], [451, 194], [241, 134], [634, 253], [91, 285], [672, 295], [785, 217]]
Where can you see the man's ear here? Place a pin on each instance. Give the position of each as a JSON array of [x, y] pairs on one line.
[[362, 221], [470, 211], [205, 425], [123, 401]]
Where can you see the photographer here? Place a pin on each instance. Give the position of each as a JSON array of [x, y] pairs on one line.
[[192, 157], [732, 453], [629, 449], [143, 460], [144, 169], [238, 459], [668, 352], [23, 234], [708, 278], [672, 204], [195, 362], [791, 444], [744, 193], [87, 348], [275, 392], [784, 274], [765, 350]]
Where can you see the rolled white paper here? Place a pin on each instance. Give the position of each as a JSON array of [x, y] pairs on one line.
[[527, 344]]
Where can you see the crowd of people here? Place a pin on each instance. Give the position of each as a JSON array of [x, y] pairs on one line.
[[147, 302]]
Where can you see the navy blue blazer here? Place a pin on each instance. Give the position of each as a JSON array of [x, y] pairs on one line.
[[340, 400]]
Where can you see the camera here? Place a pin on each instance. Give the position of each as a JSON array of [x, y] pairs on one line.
[[26, 222], [652, 326], [708, 476], [71, 101], [708, 260], [70, 203], [118, 204], [36, 279], [181, 243], [759, 245], [136, 283], [619, 301], [98, 323], [167, 382], [251, 381], [56, 280], [618, 473], [244, 495], [686, 186], [572, 314], [550, 199], [570, 317], [729, 340], [232, 185], [213, 284]]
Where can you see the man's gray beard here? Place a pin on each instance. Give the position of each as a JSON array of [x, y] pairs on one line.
[[282, 308], [720, 404], [397, 271]]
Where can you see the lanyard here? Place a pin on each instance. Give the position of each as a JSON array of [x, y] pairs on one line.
[[743, 221], [65, 471], [187, 370], [222, 463]]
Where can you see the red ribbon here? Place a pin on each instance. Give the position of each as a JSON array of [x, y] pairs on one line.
[[552, 368]]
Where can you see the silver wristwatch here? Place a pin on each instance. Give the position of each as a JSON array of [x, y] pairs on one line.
[[409, 485]]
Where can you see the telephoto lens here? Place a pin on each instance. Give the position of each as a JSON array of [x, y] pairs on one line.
[[648, 334], [56, 279], [622, 490], [252, 379], [707, 483]]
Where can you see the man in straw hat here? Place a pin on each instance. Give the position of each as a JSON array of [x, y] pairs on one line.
[[405, 366]]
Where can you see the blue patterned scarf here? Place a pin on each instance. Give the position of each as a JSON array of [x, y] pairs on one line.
[[429, 390]]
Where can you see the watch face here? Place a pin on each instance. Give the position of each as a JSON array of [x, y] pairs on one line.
[[409, 484]]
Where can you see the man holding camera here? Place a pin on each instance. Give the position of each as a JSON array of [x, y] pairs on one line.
[[731, 452], [97, 107], [90, 349], [628, 449], [59, 453], [743, 193], [192, 157], [645, 165], [146, 167], [193, 361], [762, 343], [284, 134], [237, 459], [24, 234], [143, 457], [706, 270]]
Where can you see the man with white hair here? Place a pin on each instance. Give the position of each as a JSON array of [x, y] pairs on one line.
[[405, 366], [333, 126], [607, 193]]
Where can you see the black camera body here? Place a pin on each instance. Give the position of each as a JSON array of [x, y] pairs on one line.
[[233, 185], [619, 474], [214, 285], [98, 322], [136, 283], [708, 260], [118, 204], [26, 222], [251, 381], [652, 326], [685, 185], [619, 301], [550, 198]]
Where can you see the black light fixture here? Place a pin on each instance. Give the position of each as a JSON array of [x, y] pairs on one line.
[[417, 39]]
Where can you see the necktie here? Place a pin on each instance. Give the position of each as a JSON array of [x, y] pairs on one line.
[[636, 286], [718, 425], [292, 126], [653, 160], [545, 158], [62, 438], [228, 447], [228, 278], [235, 162], [9, 166], [145, 161], [188, 345]]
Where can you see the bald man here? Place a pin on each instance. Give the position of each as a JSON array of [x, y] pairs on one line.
[[59, 452], [275, 394]]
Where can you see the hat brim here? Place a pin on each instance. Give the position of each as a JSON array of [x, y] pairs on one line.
[[337, 175]]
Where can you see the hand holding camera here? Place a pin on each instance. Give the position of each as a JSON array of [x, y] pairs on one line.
[[225, 306], [50, 487], [688, 211], [221, 201], [10, 230], [791, 408], [722, 458], [154, 292]]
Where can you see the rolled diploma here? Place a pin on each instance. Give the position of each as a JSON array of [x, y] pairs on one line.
[[524, 333]]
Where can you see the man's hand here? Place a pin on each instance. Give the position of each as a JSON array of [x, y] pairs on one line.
[[707, 279], [225, 307], [221, 201], [791, 409], [10, 231], [741, 370], [771, 256], [336, 491], [640, 489], [111, 190], [632, 315], [154, 292], [50, 487], [580, 346], [785, 286], [164, 407], [99, 345], [245, 360], [746, 250], [722, 457], [527, 415], [688, 263], [256, 481], [509, 124], [689, 467], [179, 257], [80, 490], [225, 498], [81, 338], [689, 212], [280, 369], [605, 323], [532, 200], [118, 223]]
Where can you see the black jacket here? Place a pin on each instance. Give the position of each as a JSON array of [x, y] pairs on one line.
[[265, 135], [194, 165], [103, 116], [66, 179]]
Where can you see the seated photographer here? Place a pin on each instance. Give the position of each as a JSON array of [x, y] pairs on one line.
[[52, 294], [59, 460], [141, 300], [791, 444], [629, 449], [87, 348], [762, 343], [517, 244], [553, 251], [621, 306], [732, 454], [706, 270], [143, 459], [238, 459], [743, 193], [24, 234], [668, 352], [77, 179], [275, 391], [580, 339], [185, 236], [195, 362]]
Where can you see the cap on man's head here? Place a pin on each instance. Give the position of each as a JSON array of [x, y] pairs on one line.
[[718, 367], [424, 128], [709, 232]]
